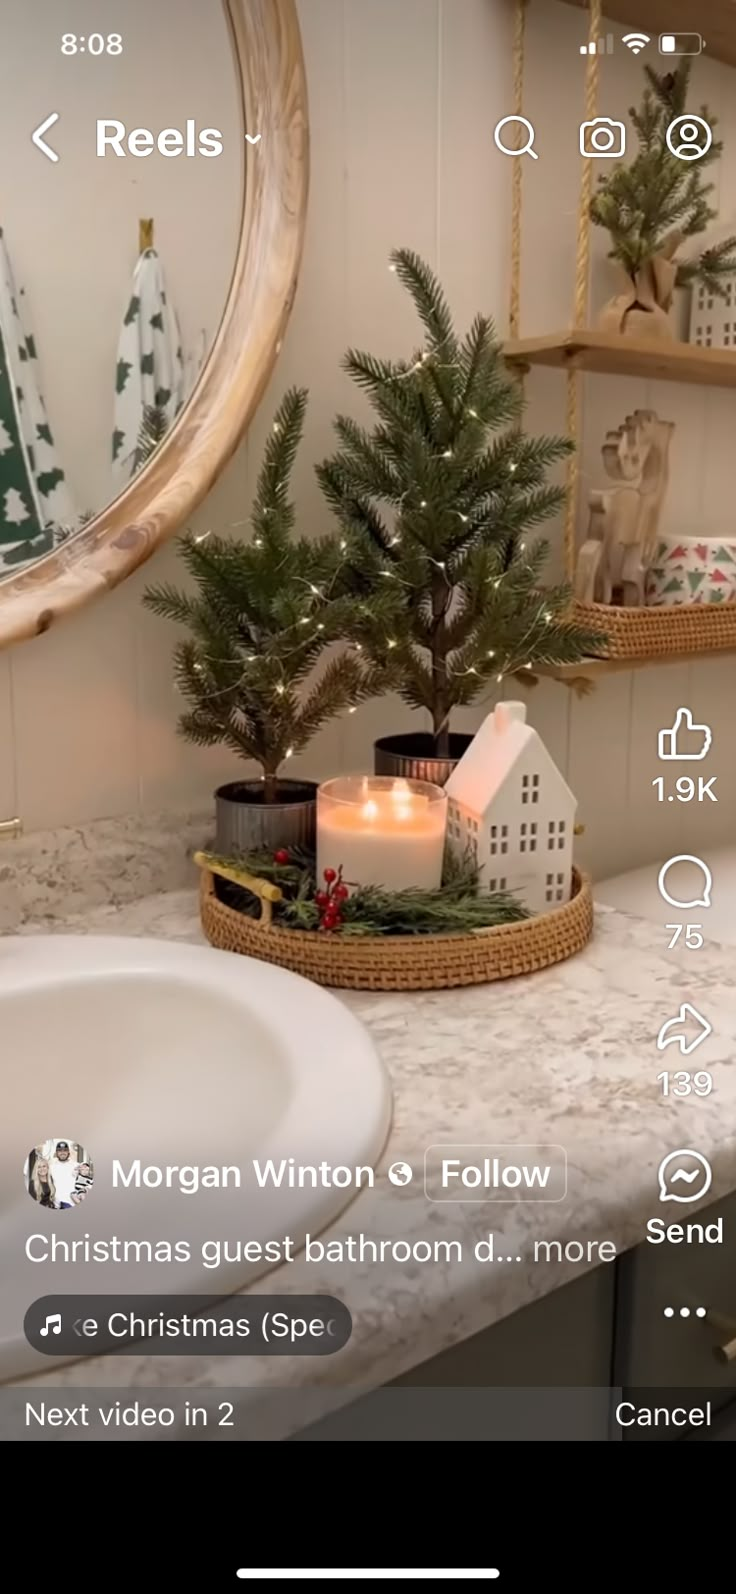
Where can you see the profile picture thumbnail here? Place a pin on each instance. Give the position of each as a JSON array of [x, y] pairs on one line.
[[59, 1174]]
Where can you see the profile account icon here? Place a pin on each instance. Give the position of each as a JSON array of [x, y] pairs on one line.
[[689, 137]]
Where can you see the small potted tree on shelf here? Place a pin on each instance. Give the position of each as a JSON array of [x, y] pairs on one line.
[[436, 504], [653, 205], [259, 668]]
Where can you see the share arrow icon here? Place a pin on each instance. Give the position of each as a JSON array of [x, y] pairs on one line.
[[674, 1032], [38, 140]]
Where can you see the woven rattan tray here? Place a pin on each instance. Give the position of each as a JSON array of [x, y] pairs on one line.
[[661, 632], [405, 962]]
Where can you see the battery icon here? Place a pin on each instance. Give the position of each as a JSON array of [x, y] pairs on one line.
[[681, 44]]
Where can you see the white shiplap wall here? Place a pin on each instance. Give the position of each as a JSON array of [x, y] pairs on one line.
[[404, 96]]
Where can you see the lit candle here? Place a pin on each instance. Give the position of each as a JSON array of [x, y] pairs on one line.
[[381, 832]]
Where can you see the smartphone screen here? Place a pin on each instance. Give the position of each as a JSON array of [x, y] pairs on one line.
[[367, 614]]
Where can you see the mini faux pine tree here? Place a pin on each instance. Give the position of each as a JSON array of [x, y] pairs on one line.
[[262, 617], [438, 502], [153, 428], [651, 205]]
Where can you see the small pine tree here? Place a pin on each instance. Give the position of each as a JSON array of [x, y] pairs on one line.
[[261, 619], [657, 201], [437, 510], [151, 433]]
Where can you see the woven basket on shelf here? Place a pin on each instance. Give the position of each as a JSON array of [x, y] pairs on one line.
[[663, 631], [405, 962]]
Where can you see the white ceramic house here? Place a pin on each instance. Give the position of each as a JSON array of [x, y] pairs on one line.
[[508, 804], [713, 316]]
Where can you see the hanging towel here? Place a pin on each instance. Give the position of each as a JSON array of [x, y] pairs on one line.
[[34, 498], [150, 371]]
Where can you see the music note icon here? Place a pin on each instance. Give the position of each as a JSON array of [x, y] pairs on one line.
[[54, 1323]]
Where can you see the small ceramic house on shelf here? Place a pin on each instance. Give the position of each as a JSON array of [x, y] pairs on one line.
[[508, 805], [713, 316]]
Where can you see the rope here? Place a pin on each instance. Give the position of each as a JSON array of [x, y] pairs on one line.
[[516, 172], [580, 304], [573, 474], [582, 254]]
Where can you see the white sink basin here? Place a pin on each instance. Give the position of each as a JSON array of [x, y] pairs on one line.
[[170, 1055]]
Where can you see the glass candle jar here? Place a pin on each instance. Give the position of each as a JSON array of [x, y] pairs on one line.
[[381, 831]]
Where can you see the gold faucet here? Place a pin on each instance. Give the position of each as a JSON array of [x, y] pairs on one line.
[[10, 829]]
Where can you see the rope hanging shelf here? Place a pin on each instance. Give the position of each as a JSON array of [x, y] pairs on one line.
[[585, 349], [635, 635]]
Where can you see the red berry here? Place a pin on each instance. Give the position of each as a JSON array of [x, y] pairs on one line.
[[329, 920], [330, 875], [337, 920], [281, 856], [321, 898], [341, 892]]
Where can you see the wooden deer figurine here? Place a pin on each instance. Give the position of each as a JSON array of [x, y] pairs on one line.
[[624, 521]]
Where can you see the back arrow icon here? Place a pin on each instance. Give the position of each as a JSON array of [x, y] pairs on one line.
[[37, 137]]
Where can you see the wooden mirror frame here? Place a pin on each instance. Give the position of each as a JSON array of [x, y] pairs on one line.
[[271, 80]]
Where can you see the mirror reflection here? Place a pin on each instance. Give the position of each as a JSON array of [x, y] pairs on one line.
[[115, 256]]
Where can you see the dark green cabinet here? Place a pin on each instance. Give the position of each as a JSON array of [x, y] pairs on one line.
[[559, 1367]]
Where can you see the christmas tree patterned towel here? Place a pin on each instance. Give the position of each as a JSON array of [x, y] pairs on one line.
[[150, 371], [693, 570], [34, 498]]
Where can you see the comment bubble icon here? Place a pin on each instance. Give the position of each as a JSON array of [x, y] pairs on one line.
[[706, 883]]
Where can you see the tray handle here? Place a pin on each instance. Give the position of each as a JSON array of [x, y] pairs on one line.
[[265, 890]]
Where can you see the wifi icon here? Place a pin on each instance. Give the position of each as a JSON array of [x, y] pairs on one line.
[[636, 42]]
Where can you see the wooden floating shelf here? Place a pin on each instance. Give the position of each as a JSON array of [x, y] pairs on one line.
[[611, 355], [586, 672], [715, 21], [592, 669]]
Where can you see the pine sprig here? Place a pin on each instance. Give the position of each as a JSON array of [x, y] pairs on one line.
[[656, 202], [152, 431], [259, 668], [436, 503], [448, 911], [457, 907]]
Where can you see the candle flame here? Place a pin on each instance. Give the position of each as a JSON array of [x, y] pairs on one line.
[[370, 810], [405, 803], [402, 799]]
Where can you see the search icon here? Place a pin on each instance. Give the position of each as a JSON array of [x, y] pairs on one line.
[[523, 149]]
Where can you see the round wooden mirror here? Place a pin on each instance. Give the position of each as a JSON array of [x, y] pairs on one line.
[[100, 550]]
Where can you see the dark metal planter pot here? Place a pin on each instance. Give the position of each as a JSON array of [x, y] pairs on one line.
[[412, 757], [245, 823]]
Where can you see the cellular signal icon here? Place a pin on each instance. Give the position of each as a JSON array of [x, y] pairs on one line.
[[598, 47], [635, 42]]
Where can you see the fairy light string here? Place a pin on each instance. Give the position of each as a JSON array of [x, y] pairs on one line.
[[423, 363]]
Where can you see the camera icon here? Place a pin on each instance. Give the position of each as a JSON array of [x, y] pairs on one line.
[[602, 139]]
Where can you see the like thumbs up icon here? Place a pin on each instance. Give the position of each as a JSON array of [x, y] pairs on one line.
[[685, 741]]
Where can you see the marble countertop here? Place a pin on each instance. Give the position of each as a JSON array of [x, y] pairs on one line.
[[567, 1056]]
